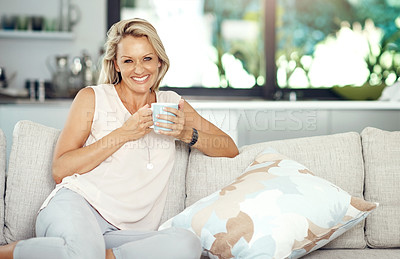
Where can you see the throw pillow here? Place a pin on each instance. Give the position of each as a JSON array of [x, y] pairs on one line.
[[276, 209], [337, 158], [29, 179]]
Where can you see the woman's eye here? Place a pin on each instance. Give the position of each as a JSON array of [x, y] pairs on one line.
[[128, 61], [147, 58]]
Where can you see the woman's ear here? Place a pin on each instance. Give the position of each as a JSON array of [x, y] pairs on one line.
[[159, 64], [116, 66]]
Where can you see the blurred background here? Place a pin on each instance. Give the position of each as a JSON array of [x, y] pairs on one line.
[[282, 46], [259, 69], [268, 49]]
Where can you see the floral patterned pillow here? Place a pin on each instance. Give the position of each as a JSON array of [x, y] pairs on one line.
[[276, 209]]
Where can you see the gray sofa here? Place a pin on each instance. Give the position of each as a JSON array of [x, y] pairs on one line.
[[365, 165]]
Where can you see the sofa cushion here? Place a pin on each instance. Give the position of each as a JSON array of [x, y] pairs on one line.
[[276, 209], [29, 179], [336, 158], [2, 183], [175, 202], [354, 253], [381, 150]]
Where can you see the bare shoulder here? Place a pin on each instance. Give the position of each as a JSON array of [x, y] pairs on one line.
[[83, 103], [81, 114], [82, 108], [77, 126], [85, 96]]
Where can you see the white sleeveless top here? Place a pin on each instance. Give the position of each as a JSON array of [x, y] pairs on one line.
[[122, 189]]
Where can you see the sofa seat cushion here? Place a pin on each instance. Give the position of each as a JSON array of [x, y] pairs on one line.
[[276, 209], [381, 150], [336, 158], [354, 253], [2, 183], [366, 253]]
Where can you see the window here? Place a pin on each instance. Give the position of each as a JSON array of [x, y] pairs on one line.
[[270, 48], [324, 43]]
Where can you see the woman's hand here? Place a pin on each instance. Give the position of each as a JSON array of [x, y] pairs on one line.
[[210, 139], [178, 121], [138, 125]]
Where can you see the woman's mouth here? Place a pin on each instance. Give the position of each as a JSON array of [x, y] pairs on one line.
[[140, 79]]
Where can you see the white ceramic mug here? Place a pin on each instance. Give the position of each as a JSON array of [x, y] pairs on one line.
[[158, 108]]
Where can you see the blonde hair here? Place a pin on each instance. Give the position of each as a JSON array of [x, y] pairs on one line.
[[137, 28]]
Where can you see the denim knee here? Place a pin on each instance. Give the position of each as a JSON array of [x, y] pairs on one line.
[[78, 249], [186, 244], [68, 225], [57, 247]]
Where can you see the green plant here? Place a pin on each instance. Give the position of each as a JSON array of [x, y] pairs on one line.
[[302, 24]]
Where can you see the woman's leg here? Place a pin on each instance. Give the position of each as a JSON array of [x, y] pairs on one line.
[[66, 228], [172, 243], [6, 251]]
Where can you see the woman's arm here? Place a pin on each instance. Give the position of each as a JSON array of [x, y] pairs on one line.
[[211, 140], [70, 155]]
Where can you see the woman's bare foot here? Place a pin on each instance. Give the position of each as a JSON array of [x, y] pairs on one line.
[[109, 254], [6, 251]]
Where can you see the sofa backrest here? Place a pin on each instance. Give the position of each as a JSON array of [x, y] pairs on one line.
[[29, 179], [381, 150], [176, 196], [337, 158], [2, 183]]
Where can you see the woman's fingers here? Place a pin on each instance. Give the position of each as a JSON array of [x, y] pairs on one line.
[[176, 120], [172, 126]]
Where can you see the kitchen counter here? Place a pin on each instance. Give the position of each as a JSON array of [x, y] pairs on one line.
[[24, 101], [316, 105]]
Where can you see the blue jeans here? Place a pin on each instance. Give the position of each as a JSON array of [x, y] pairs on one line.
[[69, 227]]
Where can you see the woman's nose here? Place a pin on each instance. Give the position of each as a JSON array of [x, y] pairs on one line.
[[139, 68]]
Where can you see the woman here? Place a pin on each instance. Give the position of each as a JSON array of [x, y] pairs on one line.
[[112, 169]]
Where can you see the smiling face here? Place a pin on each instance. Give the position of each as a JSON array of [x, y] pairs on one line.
[[138, 63]]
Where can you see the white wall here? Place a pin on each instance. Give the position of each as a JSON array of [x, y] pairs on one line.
[[28, 56]]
